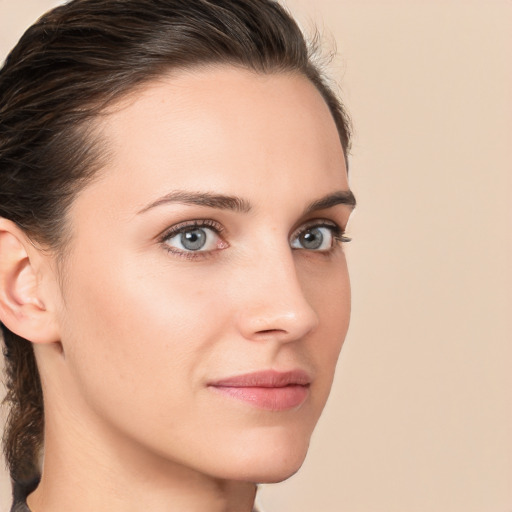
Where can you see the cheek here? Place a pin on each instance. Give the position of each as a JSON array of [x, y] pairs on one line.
[[141, 341], [138, 332], [328, 291]]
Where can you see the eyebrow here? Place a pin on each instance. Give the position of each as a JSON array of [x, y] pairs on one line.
[[341, 197], [238, 204], [208, 199]]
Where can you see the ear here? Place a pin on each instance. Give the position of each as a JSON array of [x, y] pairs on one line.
[[22, 305]]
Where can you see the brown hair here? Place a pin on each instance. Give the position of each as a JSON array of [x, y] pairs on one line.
[[64, 71]]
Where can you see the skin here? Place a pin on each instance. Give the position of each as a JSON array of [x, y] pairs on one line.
[[136, 327]]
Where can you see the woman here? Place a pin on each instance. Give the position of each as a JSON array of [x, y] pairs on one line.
[[172, 280]]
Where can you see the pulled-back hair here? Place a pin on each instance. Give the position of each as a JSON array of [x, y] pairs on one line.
[[67, 67]]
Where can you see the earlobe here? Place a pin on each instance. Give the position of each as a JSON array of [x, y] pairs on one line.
[[22, 309]]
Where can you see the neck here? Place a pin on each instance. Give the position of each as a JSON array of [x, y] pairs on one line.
[[88, 468]]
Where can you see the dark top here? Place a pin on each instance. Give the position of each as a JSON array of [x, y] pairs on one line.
[[22, 489]]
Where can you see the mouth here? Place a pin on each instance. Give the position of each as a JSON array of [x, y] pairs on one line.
[[269, 390]]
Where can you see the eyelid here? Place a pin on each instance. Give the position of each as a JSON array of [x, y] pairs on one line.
[[315, 223], [178, 228]]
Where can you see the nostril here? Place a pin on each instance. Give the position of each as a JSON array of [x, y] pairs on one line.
[[284, 315]]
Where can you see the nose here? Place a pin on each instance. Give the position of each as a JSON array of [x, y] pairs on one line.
[[274, 305]]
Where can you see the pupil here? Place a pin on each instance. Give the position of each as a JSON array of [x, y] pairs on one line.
[[193, 240], [312, 239]]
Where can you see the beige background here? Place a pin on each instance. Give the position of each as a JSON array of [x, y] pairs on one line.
[[420, 418]]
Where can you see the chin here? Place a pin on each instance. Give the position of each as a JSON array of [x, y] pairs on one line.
[[268, 471], [276, 475], [270, 460]]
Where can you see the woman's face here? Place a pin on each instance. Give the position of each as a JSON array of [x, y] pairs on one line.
[[205, 296]]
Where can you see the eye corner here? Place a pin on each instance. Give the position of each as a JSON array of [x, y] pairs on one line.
[[343, 238]]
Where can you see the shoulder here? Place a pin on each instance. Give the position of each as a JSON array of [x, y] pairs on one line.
[[20, 491]]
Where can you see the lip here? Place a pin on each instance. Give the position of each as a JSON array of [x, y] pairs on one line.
[[269, 389]]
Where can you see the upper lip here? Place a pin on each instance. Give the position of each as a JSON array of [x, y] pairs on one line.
[[265, 379]]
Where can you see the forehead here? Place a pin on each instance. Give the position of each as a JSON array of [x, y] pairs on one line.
[[222, 129]]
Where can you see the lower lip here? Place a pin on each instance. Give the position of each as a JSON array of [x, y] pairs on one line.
[[270, 399]]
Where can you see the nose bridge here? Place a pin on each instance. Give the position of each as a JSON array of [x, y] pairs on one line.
[[274, 301]]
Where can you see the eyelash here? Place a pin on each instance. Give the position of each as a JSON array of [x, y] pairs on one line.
[[338, 234]]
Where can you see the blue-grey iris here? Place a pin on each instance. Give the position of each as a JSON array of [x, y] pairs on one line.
[[312, 239], [193, 240]]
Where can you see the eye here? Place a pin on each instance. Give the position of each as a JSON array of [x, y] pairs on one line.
[[199, 236], [320, 237]]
